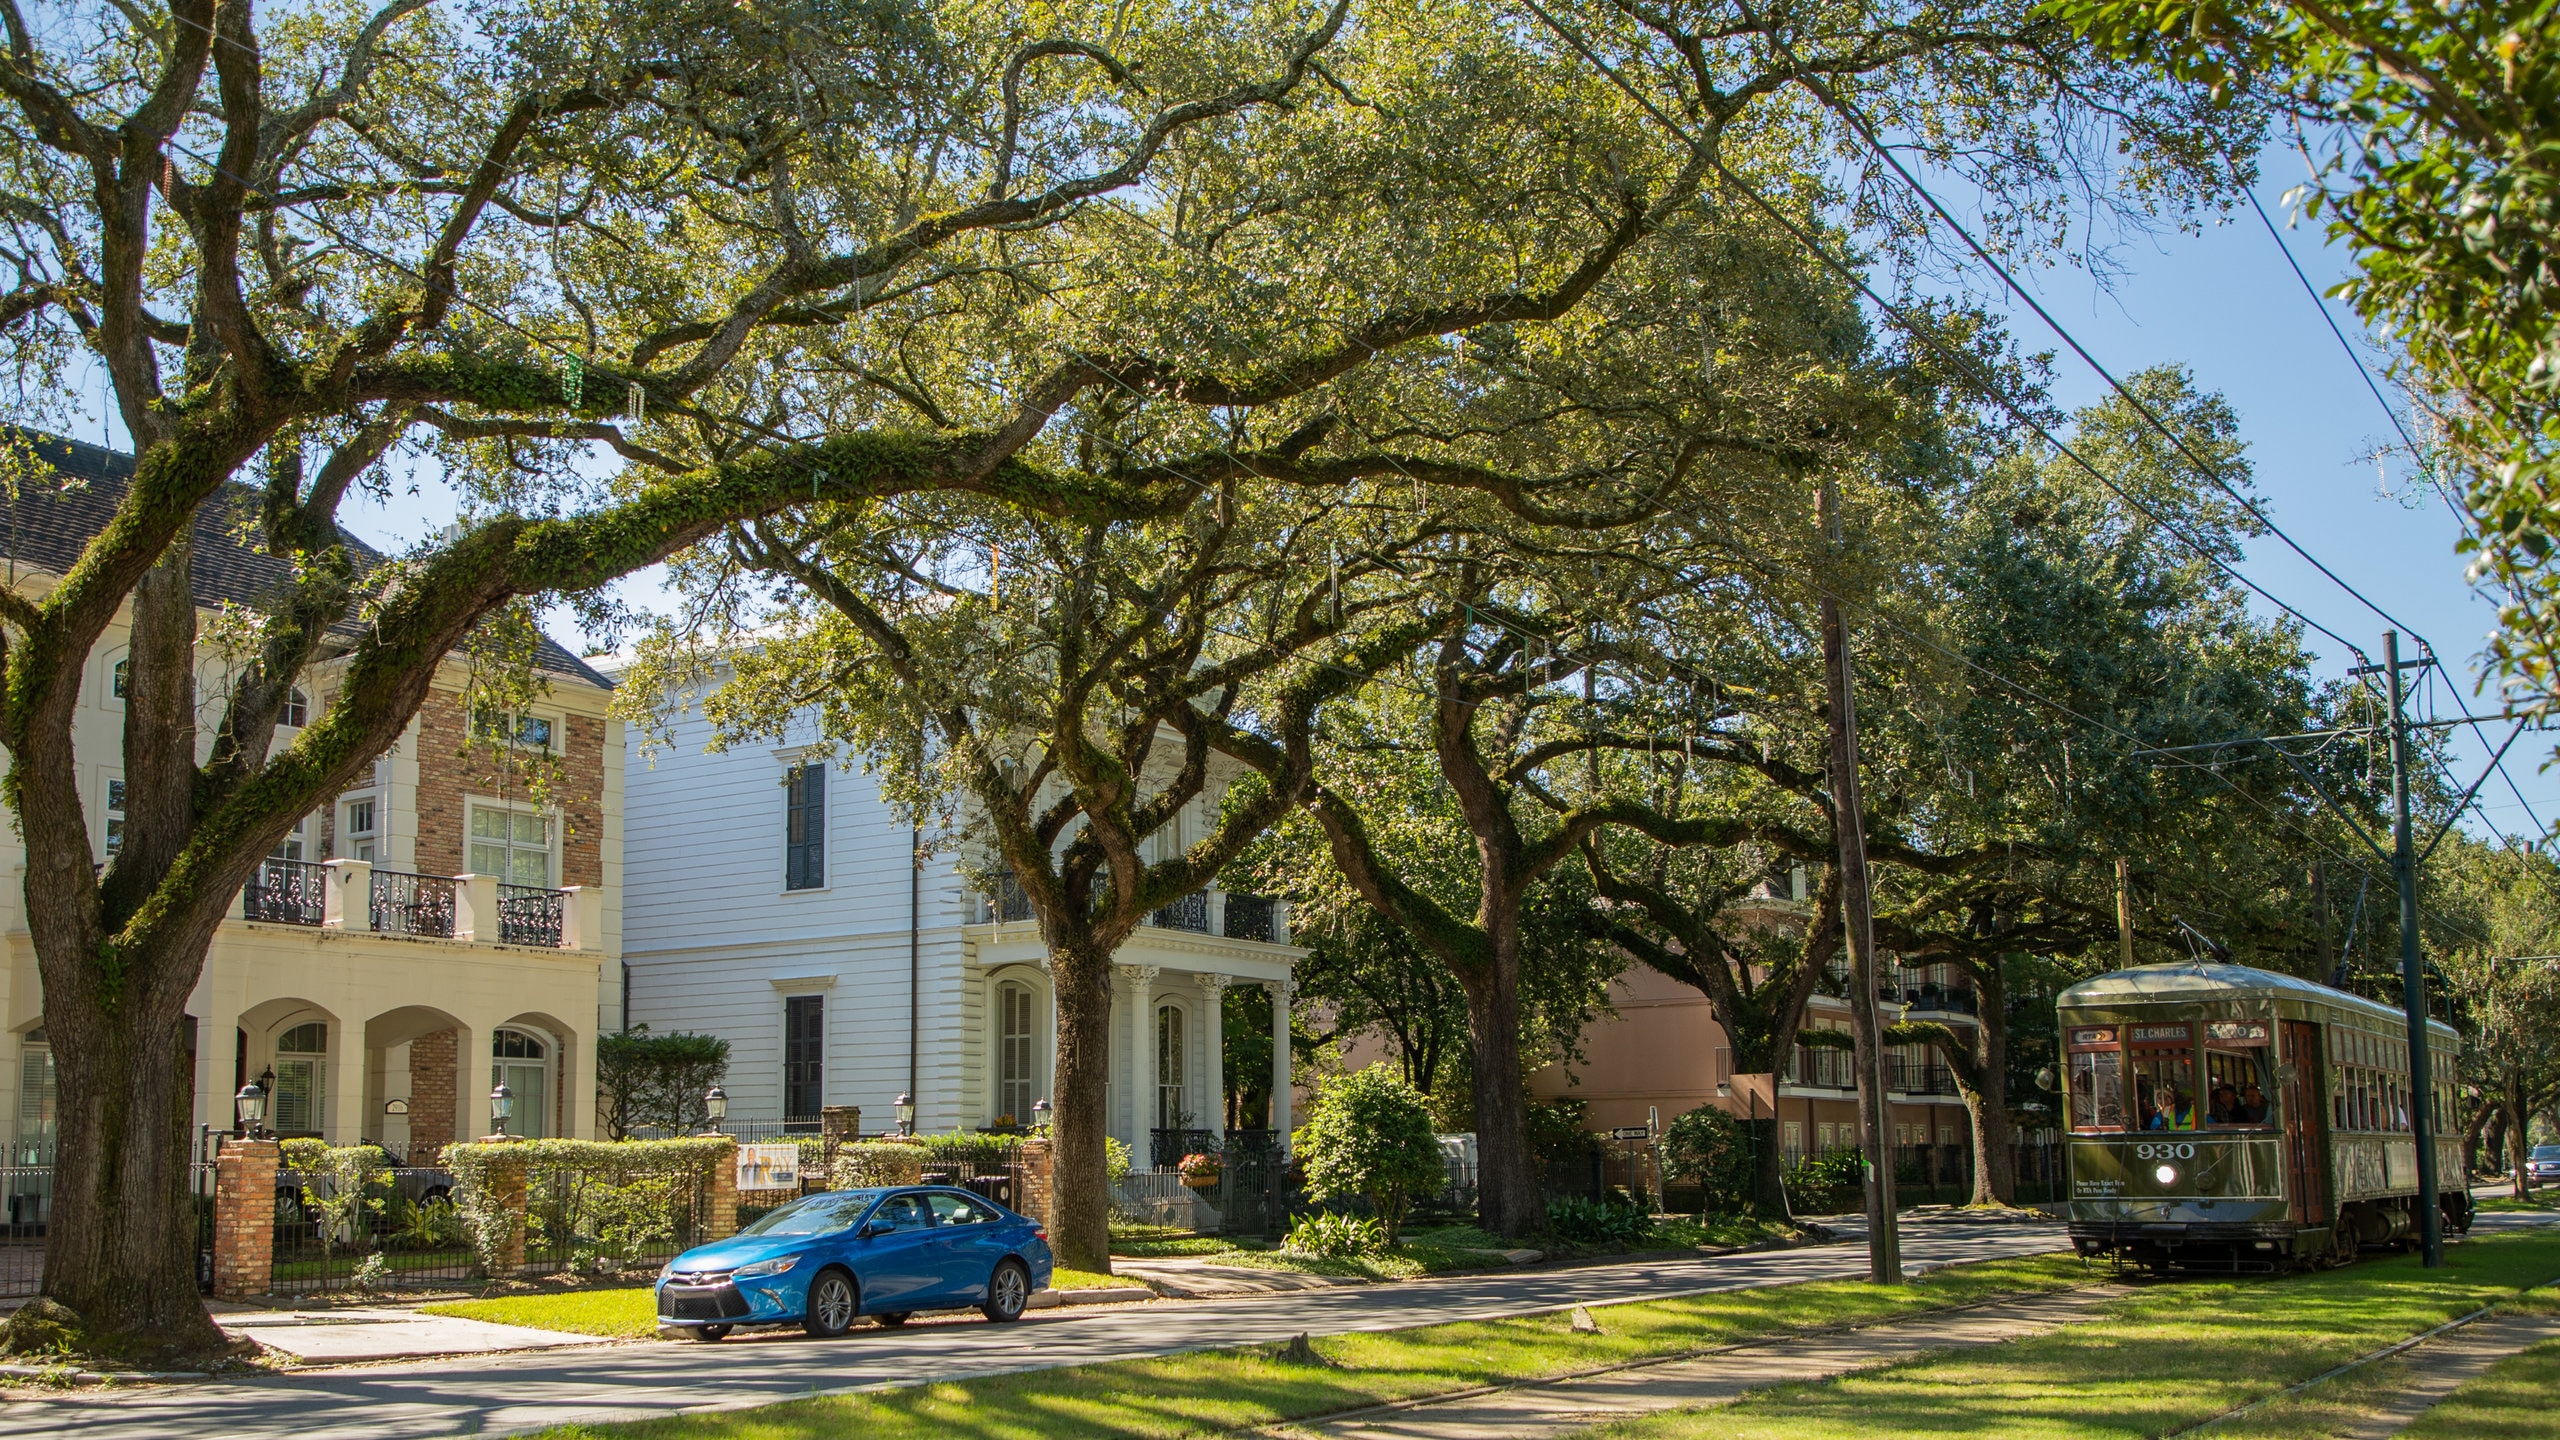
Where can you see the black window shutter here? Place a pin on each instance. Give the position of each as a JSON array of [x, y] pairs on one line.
[[804, 861]]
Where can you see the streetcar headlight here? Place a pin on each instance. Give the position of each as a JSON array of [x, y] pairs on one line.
[[2166, 1174]]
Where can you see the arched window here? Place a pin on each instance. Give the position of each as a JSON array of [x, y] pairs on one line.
[[115, 681], [1015, 1054], [1170, 1114], [297, 710], [300, 1103], [521, 1061]]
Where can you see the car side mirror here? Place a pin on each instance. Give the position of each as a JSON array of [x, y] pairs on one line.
[[875, 1227]]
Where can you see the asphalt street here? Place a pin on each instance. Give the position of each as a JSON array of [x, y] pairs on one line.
[[507, 1394]]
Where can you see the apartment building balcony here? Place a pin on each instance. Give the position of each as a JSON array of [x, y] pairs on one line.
[[354, 897]]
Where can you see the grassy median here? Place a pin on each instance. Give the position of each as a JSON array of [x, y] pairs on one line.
[[2154, 1363], [1225, 1389], [627, 1313]]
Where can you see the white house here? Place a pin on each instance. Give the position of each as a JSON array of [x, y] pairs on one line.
[[776, 902]]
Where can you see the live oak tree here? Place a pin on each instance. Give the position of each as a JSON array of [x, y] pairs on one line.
[[701, 240]]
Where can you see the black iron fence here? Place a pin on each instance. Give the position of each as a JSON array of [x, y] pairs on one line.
[[585, 1222], [528, 915], [1249, 917], [407, 904], [398, 1229], [285, 892], [1188, 912]]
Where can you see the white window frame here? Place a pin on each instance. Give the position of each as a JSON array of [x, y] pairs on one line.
[[109, 778], [513, 737], [996, 1050], [376, 837], [551, 817], [108, 699]]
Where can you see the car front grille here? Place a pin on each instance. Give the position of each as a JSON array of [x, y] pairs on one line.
[[704, 1295]]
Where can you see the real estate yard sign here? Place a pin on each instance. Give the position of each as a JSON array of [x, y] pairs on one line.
[[769, 1167]]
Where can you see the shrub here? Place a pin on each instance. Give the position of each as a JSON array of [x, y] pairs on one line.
[[878, 1162], [597, 1203], [1602, 1223], [650, 1081], [1115, 1158], [1827, 1183], [1369, 1134], [1712, 1149], [1327, 1236]]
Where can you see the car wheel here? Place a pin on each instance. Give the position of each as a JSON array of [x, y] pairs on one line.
[[708, 1333], [1008, 1292], [439, 1196], [832, 1305], [892, 1320]]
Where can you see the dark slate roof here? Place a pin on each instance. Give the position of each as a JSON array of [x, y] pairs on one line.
[[48, 524]]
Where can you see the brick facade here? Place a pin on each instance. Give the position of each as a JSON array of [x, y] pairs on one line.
[[244, 1218], [721, 1221], [432, 1093], [452, 769], [1039, 1182]]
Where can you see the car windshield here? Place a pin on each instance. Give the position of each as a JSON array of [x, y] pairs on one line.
[[2546, 1152], [817, 1215]]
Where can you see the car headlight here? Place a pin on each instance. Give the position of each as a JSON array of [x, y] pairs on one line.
[[666, 1270], [758, 1269]]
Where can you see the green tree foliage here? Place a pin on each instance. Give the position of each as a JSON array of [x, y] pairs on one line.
[[646, 1081], [1368, 1134], [1718, 1151], [2441, 181], [2500, 980]]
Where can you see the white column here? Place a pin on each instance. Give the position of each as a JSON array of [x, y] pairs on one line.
[[1213, 1050], [1280, 1119], [346, 899], [1143, 1111], [475, 908], [343, 1120], [1046, 1066]]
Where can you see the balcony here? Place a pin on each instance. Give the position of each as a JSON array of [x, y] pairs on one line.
[[1258, 918], [1933, 999], [461, 908], [1915, 1077], [286, 892]]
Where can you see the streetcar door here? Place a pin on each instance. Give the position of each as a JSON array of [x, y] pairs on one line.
[[2306, 1179]]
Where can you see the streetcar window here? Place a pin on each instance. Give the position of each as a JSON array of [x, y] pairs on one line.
[[2164, 1089], [2097, 1090], [2236, 1086]]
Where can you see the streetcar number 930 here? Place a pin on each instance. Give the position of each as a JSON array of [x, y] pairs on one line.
[[2163, 1150]]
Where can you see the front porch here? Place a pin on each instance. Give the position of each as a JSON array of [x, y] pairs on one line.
[[1167, 1090]]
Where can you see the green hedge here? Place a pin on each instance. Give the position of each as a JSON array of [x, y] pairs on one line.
[[595, 1205]]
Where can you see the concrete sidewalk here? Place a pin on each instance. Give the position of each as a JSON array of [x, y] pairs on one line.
[[2446, 1363], [326, 1337], [1719, 1377]]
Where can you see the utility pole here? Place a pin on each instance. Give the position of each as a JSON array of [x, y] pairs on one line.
[[1875, 1112], [2413, 976], [2124, 913]]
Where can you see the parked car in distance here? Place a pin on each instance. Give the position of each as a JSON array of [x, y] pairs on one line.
[[822, 1261], [417, 1184], [2542, 1162]]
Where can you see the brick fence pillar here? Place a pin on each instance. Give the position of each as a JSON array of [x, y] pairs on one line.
[[244, 1219], [1038, 1180], [838, 1126], [722, 1220], [508, 1176]]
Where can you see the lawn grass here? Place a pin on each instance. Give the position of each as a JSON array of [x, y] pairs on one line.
[[2171, 1356], [620, 1314], [2542, 1200], [628, 1313], [1062, 1278], [2513, 1401], [1224, 1389]]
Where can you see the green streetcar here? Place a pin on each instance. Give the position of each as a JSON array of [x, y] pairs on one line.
[[2225, 1118]]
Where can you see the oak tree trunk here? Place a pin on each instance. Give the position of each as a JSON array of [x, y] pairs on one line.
[[1509, 1202], [1995, 1163], [1080, 1198]]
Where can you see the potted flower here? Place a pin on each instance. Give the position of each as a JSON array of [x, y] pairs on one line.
[[1201, 1172]]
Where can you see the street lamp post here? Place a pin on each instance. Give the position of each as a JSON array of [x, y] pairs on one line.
[[502, 1108], [251, 1103], [715, 1107], [904, 1107]]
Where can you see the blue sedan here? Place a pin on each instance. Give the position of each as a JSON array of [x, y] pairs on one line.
[[827, 1259]]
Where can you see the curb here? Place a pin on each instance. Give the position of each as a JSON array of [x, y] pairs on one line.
[[1116, 1295]]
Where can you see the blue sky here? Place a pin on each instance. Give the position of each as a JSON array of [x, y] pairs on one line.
[[2223, 303]]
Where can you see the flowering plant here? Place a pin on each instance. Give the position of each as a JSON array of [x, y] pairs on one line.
[[1201, 1167]]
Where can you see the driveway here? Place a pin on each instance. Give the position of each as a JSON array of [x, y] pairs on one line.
[[504, 1394]]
